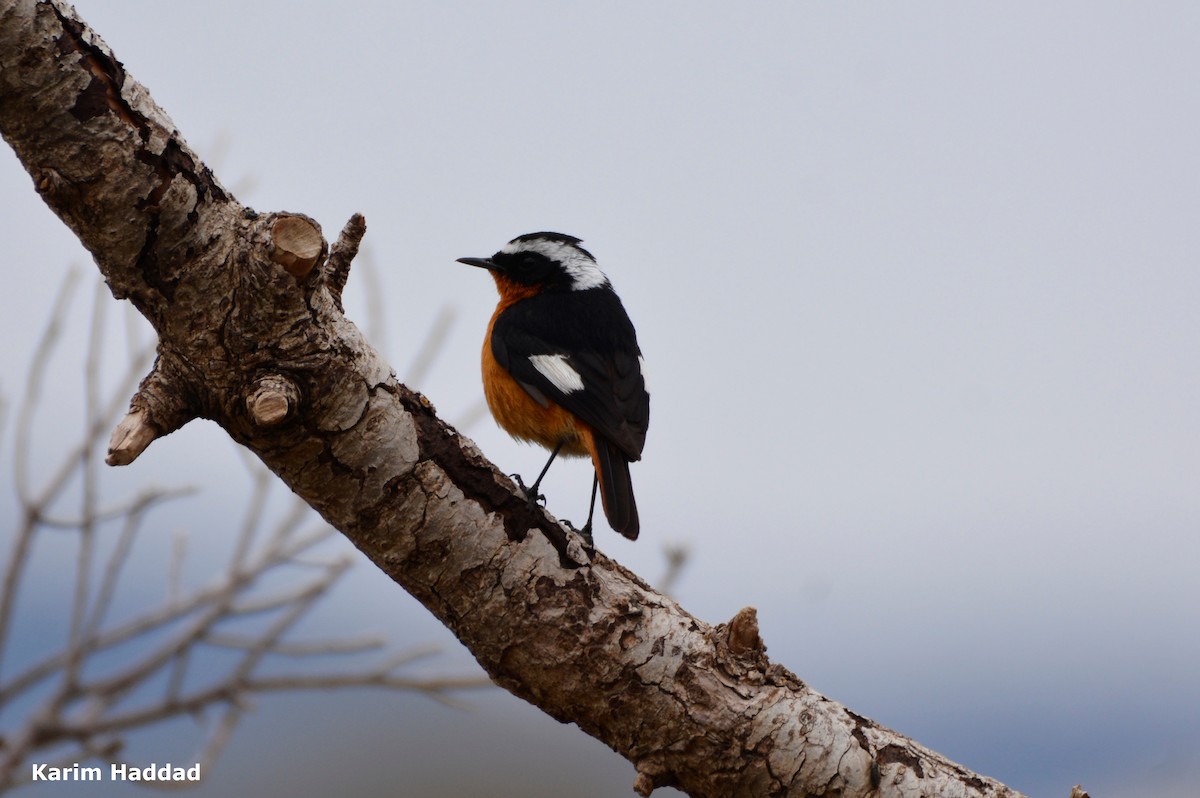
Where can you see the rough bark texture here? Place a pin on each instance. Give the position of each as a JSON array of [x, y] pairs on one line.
[[247, 307]]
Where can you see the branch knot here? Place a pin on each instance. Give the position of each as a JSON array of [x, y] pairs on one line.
[[272, 399]]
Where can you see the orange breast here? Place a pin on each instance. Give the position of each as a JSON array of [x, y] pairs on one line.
[[520, 415]]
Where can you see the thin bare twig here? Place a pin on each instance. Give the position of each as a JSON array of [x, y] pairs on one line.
[[117, 512], [175, 568], [318, 648], [431, 347], [77, 646], [677, 556], [260, 479], [33, 385], [221, 733], [134, 516], [19, 553]]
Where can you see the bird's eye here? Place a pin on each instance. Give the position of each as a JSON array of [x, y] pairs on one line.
[[526, 267]]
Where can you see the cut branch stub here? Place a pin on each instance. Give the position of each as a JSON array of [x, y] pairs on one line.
[[643, 785], [742, 633], [272, 399], [130, 438], [340, 257], [158, 408], [296, 244]]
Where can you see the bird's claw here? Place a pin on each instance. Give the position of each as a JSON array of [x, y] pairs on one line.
[[531, 495], [585, 532]]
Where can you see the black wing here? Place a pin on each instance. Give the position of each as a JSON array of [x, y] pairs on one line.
[[590, 334]]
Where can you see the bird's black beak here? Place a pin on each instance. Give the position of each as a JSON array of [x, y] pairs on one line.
[[483, 263]]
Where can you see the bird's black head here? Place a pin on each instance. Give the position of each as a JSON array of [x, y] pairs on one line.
[[550, 260]]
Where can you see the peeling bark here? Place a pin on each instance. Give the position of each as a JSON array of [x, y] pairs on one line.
[[248, 312]]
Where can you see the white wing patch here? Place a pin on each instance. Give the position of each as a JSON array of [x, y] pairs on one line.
[[556, 369]]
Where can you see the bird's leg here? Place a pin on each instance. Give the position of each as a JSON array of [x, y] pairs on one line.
[[586, 531], [531, 493], [587, 528]]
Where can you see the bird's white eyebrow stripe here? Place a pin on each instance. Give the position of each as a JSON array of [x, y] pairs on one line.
[[556, 369], [583, 270]]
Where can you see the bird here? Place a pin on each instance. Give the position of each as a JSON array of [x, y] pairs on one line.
[[562, 367]]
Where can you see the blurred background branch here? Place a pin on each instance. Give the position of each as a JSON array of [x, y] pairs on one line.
[[201, 651]]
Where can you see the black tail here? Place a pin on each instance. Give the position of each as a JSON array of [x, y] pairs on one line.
[[616, 489]]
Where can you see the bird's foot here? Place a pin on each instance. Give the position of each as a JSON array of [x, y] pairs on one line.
[[531, 495], [585, 532]]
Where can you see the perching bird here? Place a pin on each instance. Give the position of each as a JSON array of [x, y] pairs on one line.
[[562, 367]]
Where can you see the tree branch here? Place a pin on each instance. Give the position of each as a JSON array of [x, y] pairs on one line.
[[241, 300]]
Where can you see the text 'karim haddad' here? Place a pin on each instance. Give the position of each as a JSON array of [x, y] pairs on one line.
[[117, 772]]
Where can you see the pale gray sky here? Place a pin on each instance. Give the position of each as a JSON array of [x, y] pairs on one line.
[[916, 283]]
